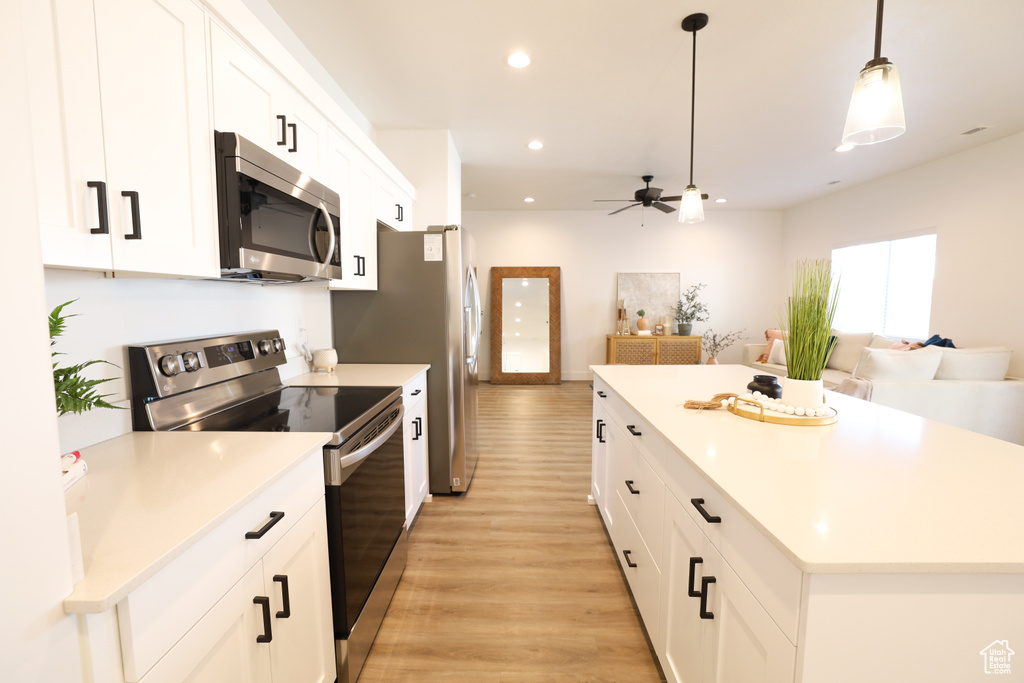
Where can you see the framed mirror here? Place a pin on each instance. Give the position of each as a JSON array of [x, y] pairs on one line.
[[526, 328]]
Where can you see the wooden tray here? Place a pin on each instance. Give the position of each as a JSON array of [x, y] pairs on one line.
[[755, 411]]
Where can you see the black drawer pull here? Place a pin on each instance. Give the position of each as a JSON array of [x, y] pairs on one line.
[[275, 517], [264, 602], [295, 138], [136, 233], [629, 485], [284, 130], [699, 504], [632, 430], [602, 394], [286, 608], [101, 207], [694, 561], [629, 562], [417, 392], [704, 582], [600, 431]]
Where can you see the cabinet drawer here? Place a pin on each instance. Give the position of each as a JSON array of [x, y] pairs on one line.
[[644, 577], [767, 573], [157, 614], [414, 391], [651, 445], [642, 494]]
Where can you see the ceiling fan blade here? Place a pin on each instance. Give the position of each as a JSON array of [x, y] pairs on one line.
[[624, 208], [663, 207], [703, 196], [675, 198], [614, 200]]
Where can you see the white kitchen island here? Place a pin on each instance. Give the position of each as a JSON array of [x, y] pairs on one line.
[[885, 547]]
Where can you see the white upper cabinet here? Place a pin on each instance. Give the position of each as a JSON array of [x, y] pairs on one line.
[[394, 207], [251, 99], [350, 174], [123, 146]]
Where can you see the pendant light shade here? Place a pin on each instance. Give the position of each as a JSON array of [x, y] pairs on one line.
[[876, 108], [691, 209]]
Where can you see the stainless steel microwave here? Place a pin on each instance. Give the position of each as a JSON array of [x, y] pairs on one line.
[[276, 223]]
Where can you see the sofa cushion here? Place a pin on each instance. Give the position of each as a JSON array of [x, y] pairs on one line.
[[777, 354], [847, 350], [895, 365], [770, 336], [880, 342], [983, 363]]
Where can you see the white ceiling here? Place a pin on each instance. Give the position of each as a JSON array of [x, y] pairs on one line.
[[609, 89]]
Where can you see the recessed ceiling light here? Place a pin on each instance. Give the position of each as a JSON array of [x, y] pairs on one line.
[[526, 283], [721, 200], [518, 320], [517, 334], [518, 60], [528, 200], [844, 147], [536, 144], [519, 303]]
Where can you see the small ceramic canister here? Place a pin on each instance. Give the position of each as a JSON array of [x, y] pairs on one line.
[[324, 359]]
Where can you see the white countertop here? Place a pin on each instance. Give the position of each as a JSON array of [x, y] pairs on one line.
[[149, 496], [355, 375], [879, 491]]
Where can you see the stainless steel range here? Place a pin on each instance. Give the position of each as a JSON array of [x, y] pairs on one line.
[[231, 383]]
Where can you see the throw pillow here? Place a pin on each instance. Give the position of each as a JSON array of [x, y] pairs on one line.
[[942, 342], [894, 365], [984, 363], [770, 336], [904, 345], [880, 342], [847, 350], [778, 353]]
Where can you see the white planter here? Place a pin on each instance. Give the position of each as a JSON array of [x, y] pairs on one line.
[[803, 393]]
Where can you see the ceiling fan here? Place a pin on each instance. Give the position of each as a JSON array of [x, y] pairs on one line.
[[647, 196]]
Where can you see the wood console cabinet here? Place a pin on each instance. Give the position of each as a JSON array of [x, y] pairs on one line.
[[652, 350]]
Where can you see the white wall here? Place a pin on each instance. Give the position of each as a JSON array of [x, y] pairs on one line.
[[972, 201], [737, 253], [114, 312]]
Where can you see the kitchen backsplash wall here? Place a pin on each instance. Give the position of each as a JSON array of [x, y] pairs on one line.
[[112, 313]]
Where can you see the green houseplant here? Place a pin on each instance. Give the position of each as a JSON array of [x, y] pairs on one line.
[[75, 393], [809, 312], [690, 309]]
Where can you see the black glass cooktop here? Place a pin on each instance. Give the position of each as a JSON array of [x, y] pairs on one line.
[[302, 409]]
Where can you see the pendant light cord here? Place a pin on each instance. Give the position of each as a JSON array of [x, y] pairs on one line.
[[693, 95], [878, 32]]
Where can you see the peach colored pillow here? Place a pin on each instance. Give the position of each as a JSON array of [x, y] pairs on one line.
[[770, 337], [906, 346]]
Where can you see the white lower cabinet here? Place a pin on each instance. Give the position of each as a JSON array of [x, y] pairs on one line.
[[414, 429], [274, 625]]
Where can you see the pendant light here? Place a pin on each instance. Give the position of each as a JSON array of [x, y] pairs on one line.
[[876, 108], [691, 209]]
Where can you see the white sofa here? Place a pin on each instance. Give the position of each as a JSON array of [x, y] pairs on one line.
[[990, 405]]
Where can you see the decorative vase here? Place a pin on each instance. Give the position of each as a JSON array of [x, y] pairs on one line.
[[324, 359], [642, 324], [712, 361], [803, 393], [767, 385], [684, 329]]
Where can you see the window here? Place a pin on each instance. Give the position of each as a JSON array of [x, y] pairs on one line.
[[886, 287]]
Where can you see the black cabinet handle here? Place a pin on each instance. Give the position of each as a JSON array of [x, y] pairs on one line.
[[632, 430], [694, 561], [629, 485], [101, 207], [264, 602], [398, 212], [136, 233], [286, 610], [417, 392], [417, 429], [275, 517], [704, 583], [600, 430], [602, 394], [284, 130], [295, 138], [699, 504], [360, 265], [629, 562]]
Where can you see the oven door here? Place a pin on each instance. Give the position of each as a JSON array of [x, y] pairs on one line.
[[365, 517]]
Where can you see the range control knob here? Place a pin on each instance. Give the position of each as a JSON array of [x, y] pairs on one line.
[[278, 344], [170, 365], [264, 347], [190, 361]]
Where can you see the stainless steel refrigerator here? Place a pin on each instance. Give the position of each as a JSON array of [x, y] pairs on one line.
[[426, 310]]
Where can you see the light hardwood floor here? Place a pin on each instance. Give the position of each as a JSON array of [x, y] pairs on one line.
[[515, 581]]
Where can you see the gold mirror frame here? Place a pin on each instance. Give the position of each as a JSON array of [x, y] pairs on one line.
[[554, 374]]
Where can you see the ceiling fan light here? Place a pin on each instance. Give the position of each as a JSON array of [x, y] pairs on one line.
[[876, 108], [691, 209]]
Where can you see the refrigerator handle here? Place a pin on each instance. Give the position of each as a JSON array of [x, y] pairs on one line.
[[475, 314]]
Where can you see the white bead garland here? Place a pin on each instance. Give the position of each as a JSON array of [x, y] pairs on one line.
[[776, 405]]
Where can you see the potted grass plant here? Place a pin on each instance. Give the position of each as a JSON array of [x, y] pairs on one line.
[[808, 318]]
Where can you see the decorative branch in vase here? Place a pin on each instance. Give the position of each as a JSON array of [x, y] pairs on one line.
[[714, 343], [690, 309]]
